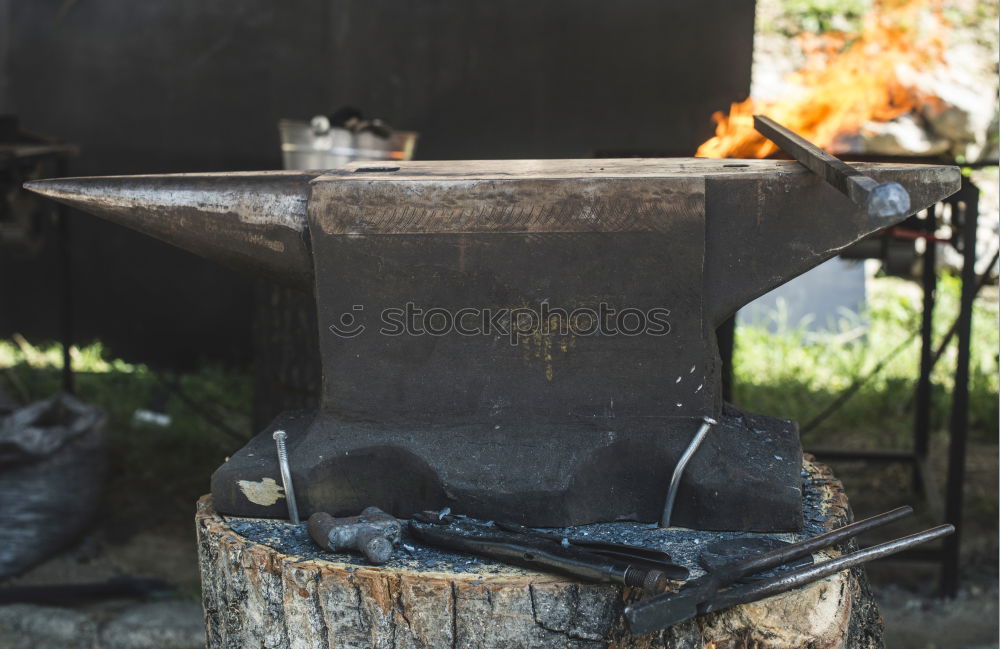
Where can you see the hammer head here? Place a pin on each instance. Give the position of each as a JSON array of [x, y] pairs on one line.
[[373, 532]]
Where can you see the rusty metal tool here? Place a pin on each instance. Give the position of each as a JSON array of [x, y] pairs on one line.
[[543, 554], [373, 532], [706, 593], [888, 200], [675, 478]]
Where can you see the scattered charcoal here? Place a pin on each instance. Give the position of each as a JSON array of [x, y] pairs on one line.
[[684, 546]]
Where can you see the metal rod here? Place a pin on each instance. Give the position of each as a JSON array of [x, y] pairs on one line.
[[958, 427], [666, 610], [795, 578], [881, 200], [65, 269], [921, 424], [783, 555], [675, 479], [286, 475], [984, 278]]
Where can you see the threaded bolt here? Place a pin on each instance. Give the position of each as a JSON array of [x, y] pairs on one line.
[[652, 581], [634, 577], [286, 475]]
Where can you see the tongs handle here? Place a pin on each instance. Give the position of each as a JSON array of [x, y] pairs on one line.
[[703, 594], [780, 556], [792, 579]]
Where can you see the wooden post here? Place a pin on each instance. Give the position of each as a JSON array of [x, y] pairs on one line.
[[255, 596]]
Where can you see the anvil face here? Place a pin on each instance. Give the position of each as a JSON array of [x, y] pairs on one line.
[[531, 341]]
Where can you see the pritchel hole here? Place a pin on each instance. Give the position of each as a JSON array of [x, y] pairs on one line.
[[735, 165]]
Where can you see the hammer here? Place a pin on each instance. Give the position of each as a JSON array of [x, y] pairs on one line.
[[373, 532]]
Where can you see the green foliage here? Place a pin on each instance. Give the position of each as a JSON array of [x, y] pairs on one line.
[[792, 374], [792, 17], [210, 418]]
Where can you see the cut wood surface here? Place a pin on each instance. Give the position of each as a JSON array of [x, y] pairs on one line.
[[256, 596]]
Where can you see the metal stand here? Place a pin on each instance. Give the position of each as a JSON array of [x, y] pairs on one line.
[[20, 152], [65, 288], [959, 425], [922, 419], [965, 213]]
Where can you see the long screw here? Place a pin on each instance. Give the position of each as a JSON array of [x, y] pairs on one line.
[[286, 475], [675, 479]]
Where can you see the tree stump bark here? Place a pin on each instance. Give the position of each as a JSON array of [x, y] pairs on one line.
[[256, 596]]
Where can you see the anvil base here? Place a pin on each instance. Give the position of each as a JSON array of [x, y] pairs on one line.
[[745, 476]]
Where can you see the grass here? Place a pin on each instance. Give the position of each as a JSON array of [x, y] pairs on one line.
[[792, 17], [795, 375], [156, 472]]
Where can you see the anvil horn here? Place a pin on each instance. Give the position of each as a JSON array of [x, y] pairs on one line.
[[253, 222]]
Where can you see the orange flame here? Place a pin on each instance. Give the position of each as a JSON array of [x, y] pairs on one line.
[[847, 80]]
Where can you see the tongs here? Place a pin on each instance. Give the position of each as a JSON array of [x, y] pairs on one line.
[[715, 590], [591, 561], [637, 554]]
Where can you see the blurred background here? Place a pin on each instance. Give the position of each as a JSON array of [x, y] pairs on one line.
[[177, 361]]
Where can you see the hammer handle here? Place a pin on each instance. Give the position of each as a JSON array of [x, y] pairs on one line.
[[784, 554]]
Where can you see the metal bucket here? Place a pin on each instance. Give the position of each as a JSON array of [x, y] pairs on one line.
[[317, 145]]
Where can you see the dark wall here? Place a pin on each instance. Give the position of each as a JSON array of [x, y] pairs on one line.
[[195, 85]]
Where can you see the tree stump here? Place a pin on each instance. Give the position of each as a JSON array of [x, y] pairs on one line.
[[257, 596]]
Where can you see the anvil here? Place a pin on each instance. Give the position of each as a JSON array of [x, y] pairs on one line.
[[440, 386]]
